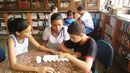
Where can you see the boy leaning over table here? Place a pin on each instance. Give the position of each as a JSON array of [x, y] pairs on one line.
[[83, 46]]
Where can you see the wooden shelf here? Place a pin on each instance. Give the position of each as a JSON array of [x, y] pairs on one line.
[[29, 8], [62, 6], [39, 19], [92, 4], [120, 39], [108, 35]]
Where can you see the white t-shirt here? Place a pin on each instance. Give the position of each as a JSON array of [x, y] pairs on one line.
[[20, 47], [52, 41], [87, 19]]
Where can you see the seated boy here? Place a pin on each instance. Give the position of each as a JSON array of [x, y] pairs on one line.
[[83, 46]]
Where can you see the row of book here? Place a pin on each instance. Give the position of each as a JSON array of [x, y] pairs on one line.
[[39, 19], [125, 27], [23, 4], [123, 45], [124, 39], [125, 36]]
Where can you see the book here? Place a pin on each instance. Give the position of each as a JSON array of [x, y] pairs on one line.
[[23, 4]]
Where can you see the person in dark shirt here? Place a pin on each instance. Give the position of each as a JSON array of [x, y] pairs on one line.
[[84, 47]]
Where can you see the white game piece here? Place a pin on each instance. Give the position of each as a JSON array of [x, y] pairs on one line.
[[38, 59]]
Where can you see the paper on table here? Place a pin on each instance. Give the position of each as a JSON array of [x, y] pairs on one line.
[[53, 58]]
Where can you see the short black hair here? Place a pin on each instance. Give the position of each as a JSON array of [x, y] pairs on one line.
[[76, 28], [17, 25], [56, 16], [53, 7], [80, 8], [69, 13]]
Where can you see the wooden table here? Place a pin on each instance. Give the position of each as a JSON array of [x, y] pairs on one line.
[[29, 59]]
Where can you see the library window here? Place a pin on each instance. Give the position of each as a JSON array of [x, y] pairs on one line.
[[121, 3]]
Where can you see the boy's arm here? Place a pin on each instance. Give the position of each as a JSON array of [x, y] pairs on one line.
[[63, 48], [84, 65], [41, 47]]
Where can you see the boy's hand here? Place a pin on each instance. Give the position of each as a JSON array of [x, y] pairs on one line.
[[64, 54], [77, 54]]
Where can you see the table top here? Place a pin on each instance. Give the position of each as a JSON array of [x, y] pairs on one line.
[[29, 59]]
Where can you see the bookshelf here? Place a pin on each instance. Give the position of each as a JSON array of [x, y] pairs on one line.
[[92, 4], [2, 23], [109, 27], [123, 44], [116, 31], [8, 5], [35, 11]]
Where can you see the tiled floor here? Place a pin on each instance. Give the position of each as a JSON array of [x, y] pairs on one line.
[[115, 68]]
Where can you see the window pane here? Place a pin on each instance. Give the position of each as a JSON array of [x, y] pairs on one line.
[[126, 3]]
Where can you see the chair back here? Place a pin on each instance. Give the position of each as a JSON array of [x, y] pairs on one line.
[[2, 54], [105, 53]]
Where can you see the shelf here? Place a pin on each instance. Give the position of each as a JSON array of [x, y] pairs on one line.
[[26, 8], [2, 2], [124, 46], [92, 4], [10, 2], [38, 28], [62, 5], [125, 33], [39, 19], [120, 37], [108, 35], [124, 62]]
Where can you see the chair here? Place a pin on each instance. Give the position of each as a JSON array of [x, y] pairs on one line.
[[105, 54], [2, 54]]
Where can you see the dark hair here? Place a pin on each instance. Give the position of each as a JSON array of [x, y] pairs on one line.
[[53, 7], [80, 8], [16, 24], [56, 16], [76, 28], [69, 13]]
